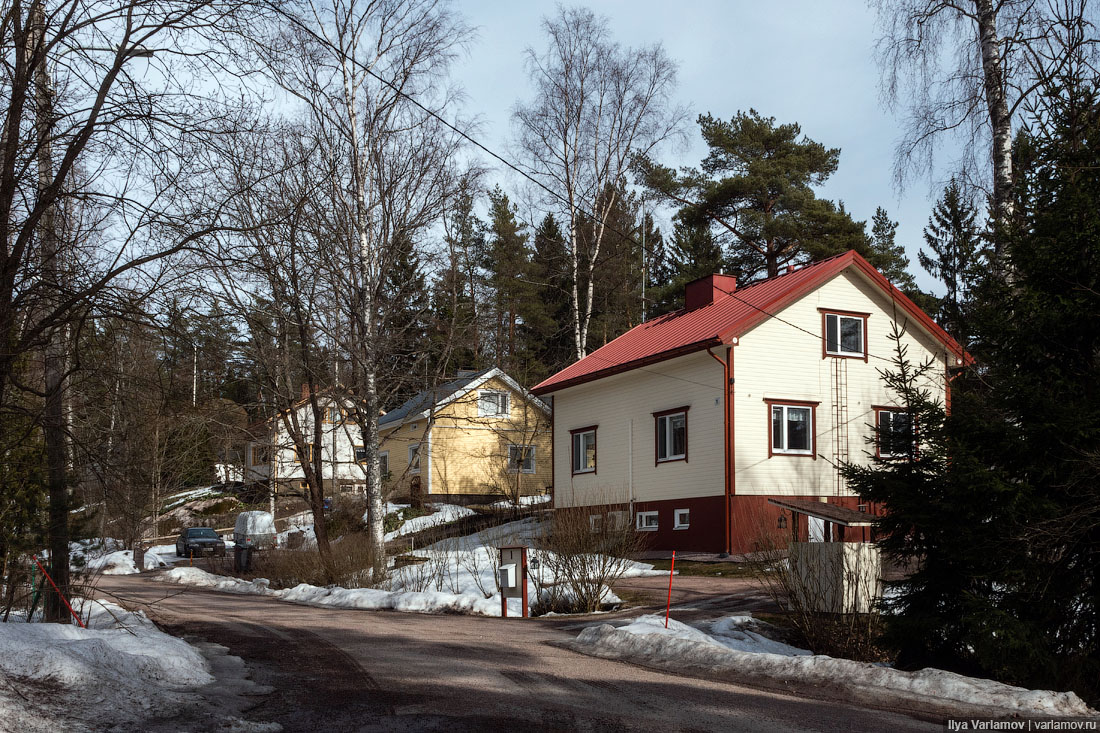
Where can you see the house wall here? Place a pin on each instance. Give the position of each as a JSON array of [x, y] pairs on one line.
[[468, 452], [621, 407], [781, 358], [337, 451], [776, 361]]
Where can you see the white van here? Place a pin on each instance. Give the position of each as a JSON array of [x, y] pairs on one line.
[[255, 530]]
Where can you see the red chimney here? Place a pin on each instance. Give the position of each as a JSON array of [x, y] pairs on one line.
[[707, 290]]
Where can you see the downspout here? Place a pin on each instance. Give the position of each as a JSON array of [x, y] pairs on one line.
[[727, 451], [429, 468], [630, 466]]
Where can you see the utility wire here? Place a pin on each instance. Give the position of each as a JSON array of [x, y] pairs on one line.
[[466, 136]]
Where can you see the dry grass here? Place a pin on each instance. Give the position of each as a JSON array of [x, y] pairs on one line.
[[352, 558]]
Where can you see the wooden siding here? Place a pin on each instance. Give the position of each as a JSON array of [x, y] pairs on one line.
[[469, 452], [622, 406], [776, 361]]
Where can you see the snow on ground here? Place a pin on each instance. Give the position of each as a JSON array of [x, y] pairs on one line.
[[106, 556], [183, 497], [118, 672], [456, 575], [443, 513], [523, 501], [684, 648]]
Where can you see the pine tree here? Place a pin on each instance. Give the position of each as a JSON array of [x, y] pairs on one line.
[[693, 252], [509, 280], [953, 237], [757, 186], [546, 320]]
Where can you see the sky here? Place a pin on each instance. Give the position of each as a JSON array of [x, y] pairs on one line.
[[805, 62]]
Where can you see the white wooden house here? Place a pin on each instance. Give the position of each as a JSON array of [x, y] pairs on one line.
[[686, 425], [271, 457]]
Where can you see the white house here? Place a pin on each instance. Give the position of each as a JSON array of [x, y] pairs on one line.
[[686, 425], [272, 457]]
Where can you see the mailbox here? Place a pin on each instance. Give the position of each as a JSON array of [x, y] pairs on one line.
[[513, 577], [508, 576]]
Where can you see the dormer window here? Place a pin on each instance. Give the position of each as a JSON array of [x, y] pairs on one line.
[[844, 334]]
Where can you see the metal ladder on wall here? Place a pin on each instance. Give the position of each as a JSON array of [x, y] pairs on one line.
[[840, 421]]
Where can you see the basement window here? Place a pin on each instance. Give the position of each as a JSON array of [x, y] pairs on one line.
[[646, 521], [682, 519]]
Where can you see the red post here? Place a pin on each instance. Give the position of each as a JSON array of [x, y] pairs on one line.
[[523, 581], [63, 598], [671, 568]]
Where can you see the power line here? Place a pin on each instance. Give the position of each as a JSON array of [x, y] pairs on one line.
[[476, 143]]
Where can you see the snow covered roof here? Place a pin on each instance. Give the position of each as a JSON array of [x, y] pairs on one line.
[[421, 405]]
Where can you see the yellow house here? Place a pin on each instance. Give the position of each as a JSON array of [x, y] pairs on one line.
[[479, 437]]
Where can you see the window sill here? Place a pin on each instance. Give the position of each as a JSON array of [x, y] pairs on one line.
[[673, 459], [686, 526], [789, 454], [646, 529], [587, 470], [845, 356]]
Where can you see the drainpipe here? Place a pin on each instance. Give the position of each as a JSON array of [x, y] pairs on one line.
[[727, 432]]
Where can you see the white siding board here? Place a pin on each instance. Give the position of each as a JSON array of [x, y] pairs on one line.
[[616, 403], [777, 360]]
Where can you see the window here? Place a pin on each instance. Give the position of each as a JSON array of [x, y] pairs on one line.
[[309, 454], [646, 521], [619, 519], [845, 334], [414, 458], [259, 455], [792, 428], [492, 403], [521, 459], [360, 454], [595, 523], [331, 415], [681, 519], [584, 450], [894, 437], [384, 464], [672, 435]]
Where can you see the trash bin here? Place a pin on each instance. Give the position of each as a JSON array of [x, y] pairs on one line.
[[242, 559]]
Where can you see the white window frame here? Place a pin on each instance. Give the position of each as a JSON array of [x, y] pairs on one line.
[[576, 450], [840, 350], [383, 463], [529, 457], [355, 453], [595, 523], [414, 458], [785, 451], [681, 519], [503, 400], [641, 521], [667, 444]]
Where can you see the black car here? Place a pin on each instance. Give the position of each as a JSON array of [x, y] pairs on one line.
[[199, 541]]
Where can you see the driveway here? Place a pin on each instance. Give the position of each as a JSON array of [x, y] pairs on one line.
[[348, 670]]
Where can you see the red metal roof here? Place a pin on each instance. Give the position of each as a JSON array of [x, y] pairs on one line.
[[685, 331]]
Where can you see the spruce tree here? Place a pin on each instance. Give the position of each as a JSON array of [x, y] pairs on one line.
[[546, 321], [954, 241], [508, 264]]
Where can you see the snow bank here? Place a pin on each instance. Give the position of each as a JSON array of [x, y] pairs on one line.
[[443, 514], [683, 648], [106, 556], [117, 674], [523, 501]]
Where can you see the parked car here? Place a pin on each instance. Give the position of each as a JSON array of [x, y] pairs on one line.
[[255, 530], [199, 541]]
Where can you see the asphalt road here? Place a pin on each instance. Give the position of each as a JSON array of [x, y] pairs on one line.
[[347, 670]]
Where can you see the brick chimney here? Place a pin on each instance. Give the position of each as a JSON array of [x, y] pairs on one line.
[[707, 290]]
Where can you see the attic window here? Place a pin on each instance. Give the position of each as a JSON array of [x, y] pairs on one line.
[[844, 334], [491, 403]]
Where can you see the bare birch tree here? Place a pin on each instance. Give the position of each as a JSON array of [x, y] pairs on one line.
[[967, 69], [100, 113], [597, 105], [371, 77]]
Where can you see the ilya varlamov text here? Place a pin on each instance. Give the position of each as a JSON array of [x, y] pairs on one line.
[[1023, 724]]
